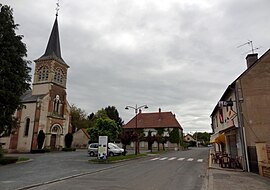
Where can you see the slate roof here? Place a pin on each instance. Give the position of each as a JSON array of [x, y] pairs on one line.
[[53, 50], [154, 120], [27, 97]]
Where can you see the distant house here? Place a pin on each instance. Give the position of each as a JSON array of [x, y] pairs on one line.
[[240, 121], [80, 138], [189, 138], [152, 122]]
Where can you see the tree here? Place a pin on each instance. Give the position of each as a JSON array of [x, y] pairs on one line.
[[150, 139], [159, 136], [14, 70], [127, 136], [78, 118], [113, 114], [174, 136], [202, 138], [104, 127], [111, 117]]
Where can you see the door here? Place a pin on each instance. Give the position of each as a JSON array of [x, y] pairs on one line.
[[53, 141], [253, 160]]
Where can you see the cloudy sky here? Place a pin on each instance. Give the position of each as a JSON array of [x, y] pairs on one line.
[[177, 55]]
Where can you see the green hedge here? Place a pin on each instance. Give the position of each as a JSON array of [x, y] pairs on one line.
[[68, 149], [8, 160], [40, 150]]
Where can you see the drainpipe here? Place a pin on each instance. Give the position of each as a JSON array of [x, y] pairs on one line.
[[241, 126]]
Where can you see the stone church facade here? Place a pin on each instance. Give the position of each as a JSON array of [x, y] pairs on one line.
[[45, 107]]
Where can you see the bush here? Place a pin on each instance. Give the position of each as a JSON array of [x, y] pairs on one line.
[[40, 139], [37, 151], [44, 150], [68, 149], [68, 140], [8, 160]]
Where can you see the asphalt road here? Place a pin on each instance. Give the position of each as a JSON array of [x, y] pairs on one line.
[[45, 167], [175, 170]]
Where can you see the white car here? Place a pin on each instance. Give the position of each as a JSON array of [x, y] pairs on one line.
[[113, 149]]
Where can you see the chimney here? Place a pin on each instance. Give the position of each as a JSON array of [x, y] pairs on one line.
[[159, 110], [251, 58]]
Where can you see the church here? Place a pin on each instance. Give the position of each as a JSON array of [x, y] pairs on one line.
[[45, 107]]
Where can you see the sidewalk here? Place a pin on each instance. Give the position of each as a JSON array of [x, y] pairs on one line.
[[234, 179]]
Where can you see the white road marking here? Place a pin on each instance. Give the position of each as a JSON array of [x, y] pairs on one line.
[[200, 160], [163, 158], [174, 158]]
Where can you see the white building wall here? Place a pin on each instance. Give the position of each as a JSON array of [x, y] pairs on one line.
[[24, 142]]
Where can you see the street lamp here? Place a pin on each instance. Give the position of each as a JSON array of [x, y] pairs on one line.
[[136, 108]]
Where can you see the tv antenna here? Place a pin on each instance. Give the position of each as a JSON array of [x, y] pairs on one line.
[[249, 42]]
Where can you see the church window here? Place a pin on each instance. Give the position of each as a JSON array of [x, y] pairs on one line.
[[56, 129], [26, 127], [43, 74], [59, 76]]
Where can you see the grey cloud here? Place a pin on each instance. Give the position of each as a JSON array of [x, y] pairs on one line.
[[176, 55]]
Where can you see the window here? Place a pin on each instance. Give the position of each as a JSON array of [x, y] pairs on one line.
[[56, 129], [26, 127], [43, 74], [58, 76]]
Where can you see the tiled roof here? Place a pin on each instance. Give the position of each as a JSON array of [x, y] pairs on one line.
[[85, 132], [154, 120]]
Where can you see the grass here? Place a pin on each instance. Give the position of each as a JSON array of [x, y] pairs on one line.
[[117, 158], [21, 159]]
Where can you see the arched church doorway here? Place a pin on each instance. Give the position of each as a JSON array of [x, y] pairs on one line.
[[56, 132]]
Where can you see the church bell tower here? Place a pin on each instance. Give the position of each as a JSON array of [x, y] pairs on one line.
[[50, 79]]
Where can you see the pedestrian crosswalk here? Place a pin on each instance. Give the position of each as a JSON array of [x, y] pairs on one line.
[[176, 159]]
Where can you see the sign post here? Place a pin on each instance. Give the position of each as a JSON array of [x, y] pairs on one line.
[[102, 147]]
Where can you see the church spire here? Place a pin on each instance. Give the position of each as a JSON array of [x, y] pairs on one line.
[[53, 50]]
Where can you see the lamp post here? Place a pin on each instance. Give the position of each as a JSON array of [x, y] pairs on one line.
[[136, 108]]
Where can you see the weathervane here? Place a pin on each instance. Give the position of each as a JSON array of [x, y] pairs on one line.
[[57, 7]]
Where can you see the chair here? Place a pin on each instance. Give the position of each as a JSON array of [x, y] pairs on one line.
[[214, 158], [225, 161]]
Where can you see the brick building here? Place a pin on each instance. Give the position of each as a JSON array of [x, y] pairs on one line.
[[152, 122], [45, 107]]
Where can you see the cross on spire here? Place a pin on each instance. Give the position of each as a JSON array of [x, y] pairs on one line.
[[57, 7]]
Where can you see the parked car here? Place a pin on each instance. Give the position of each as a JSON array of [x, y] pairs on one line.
[[113, 149], [93, 149]]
